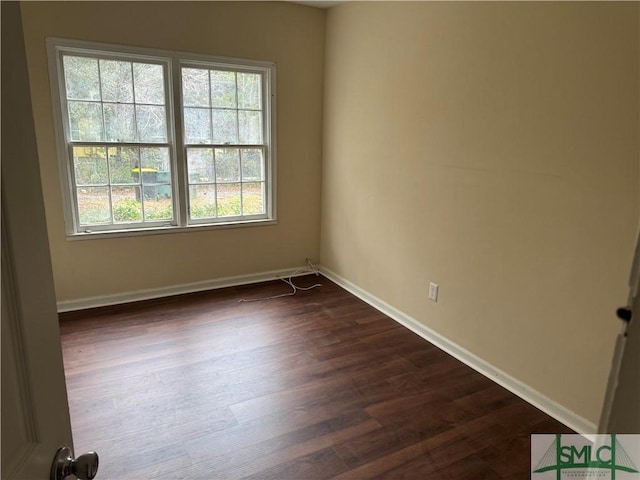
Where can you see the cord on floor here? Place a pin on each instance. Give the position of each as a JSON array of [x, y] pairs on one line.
[[289, 281]]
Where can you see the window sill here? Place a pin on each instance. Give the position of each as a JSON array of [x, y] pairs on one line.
[[137, 232]]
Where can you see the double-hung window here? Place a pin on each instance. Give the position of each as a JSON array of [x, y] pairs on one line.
[[153, 140]]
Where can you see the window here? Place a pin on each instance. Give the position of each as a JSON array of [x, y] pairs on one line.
[[224, 136], [153, 140]]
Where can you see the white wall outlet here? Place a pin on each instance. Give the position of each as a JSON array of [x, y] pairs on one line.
[[433, 292], [312, 267]]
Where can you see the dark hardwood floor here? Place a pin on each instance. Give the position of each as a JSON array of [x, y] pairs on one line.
[[314, 386]]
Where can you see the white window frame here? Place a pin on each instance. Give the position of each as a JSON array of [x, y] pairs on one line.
[[173, 63]]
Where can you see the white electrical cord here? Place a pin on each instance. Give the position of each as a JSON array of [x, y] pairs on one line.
[[289, 281]]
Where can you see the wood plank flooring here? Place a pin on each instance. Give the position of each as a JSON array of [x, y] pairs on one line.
[[314, 386]]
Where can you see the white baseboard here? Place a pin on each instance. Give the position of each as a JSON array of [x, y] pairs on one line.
[[567, 417], [148, 294], [522, 390]]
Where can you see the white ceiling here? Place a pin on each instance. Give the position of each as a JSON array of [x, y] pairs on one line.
[[319, 3]]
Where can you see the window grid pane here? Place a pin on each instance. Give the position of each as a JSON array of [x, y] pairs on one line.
[[137, 184], [118, 101], [148, 84], [94, 205], [196, 89], [82, 80], [234, 105], [230, 181], [202, 201], [117, 81], [225, 182], [115, 101]]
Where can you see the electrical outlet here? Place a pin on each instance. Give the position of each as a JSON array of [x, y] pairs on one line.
[[433, 292], [312, 267]]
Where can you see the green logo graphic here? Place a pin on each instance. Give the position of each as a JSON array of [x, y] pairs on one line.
[[611, 457]]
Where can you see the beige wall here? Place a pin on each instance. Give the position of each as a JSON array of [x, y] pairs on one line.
[[292, 36], [491, 148]]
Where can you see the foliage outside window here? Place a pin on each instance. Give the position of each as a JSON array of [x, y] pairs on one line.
[[139, 152]]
